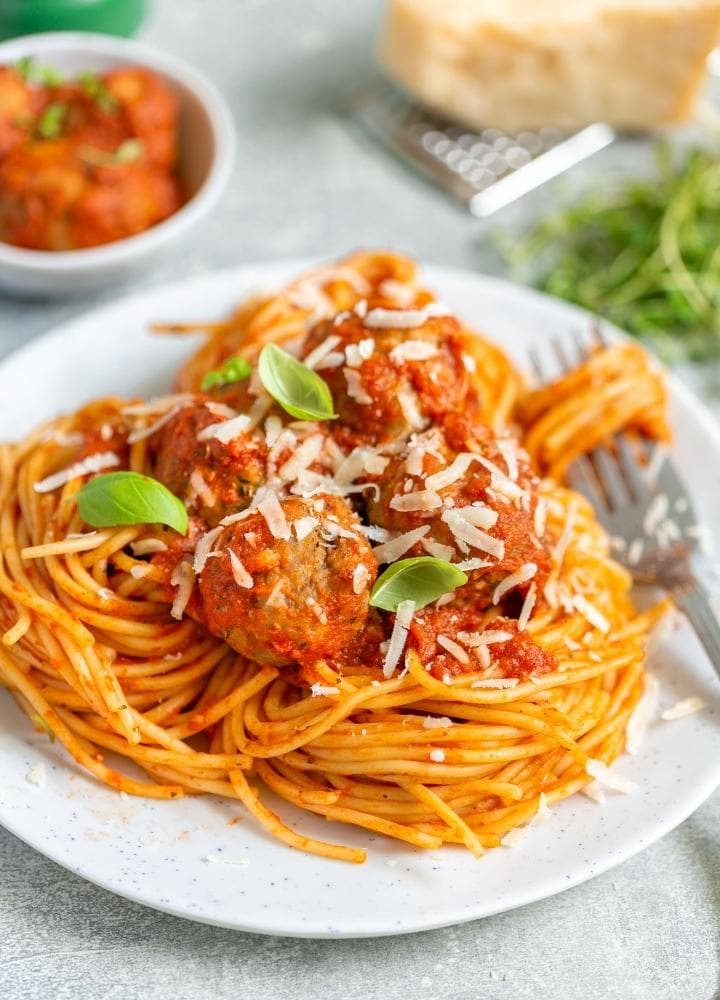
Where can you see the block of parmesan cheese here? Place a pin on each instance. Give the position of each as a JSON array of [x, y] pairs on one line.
[[517, 64]]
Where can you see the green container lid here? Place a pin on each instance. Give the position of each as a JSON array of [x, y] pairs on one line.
[[112, 17]]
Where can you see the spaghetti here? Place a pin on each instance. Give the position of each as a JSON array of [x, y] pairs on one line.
[[132, 643]]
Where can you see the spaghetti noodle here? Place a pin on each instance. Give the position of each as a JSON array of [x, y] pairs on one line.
[[501, 694]]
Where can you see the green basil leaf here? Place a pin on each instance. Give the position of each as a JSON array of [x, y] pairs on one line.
[[422, 580], [297, 388], [129, 498], [50, 123], [233, 370]]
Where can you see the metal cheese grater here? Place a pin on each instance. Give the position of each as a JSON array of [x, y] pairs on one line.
[[483, 170]]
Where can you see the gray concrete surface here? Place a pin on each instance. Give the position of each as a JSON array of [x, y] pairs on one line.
[[306, 183]]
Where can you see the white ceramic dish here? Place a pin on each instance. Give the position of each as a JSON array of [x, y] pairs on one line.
[[207, 145], [155, 853]]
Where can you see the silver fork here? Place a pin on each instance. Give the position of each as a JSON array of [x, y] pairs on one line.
[[647, 512]]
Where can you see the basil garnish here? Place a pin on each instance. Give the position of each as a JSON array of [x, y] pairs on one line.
[[297, 388], [129, 498], [422, 579], [233, 370]]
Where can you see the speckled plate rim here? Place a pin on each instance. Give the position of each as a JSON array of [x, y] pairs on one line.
[[420, 891]]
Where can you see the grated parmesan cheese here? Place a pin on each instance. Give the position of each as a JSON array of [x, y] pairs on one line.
[[360, 577], [366, 348], [355, 387], [413, 350], [521, 575], [486, 638], [642, 715], [454, 648], [456, 470], [227, 430], [437, 756], [403, 617], [304, 525], [404, 319], [323, 690], [240, 575], [527, 608], [388, 552], [204, 548], [602, 773], [687, 706], [321, 351], [410, 409], [508, 450], [420, 500], [464, 531], [436, 722], [468, 565], [303, 458], [271, 509], [199, 488], [594, 792], [183, 577], [401, 294], [590, 613], [146, 432], [37, 776], [438, 550], [146, 546], [91, 464]]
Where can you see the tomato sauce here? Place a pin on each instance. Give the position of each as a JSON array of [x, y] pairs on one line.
[[87, 161]]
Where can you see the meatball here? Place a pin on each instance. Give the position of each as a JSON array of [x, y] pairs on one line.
[[214, 478], [479, 501], [294, 599], [392, 381]]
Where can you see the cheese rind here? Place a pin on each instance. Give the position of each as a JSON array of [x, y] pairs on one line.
[[520, 64]]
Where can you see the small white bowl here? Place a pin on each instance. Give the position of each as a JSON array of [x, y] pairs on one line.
[[206, 153]]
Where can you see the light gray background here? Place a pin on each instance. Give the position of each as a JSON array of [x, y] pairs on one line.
[[307, 183]]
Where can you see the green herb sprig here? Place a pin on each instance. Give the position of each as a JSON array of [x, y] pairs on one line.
[[644, 254], [35, 73], [94, 87], [128, 151], [51, 122]]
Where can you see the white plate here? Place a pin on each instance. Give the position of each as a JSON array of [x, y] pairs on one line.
[[153, 852]]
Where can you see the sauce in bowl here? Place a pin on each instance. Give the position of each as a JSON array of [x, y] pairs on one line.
[[85, 161]]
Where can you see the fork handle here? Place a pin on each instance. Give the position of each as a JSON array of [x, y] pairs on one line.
[[695, 603]]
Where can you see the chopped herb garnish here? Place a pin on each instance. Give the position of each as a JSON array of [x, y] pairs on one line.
[[127, 152], [34, 73], [51, 121], [642, 253], [97, 91], [233, 370]]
